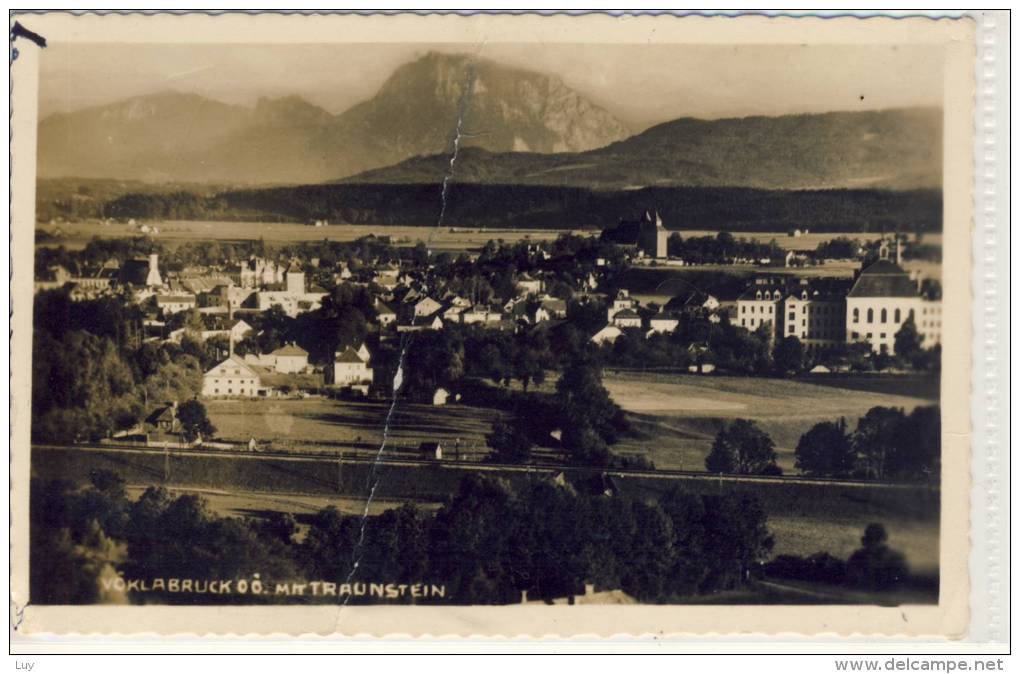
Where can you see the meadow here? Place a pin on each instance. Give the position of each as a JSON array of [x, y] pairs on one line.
[[676, 416], [77, 234], [353, 427]]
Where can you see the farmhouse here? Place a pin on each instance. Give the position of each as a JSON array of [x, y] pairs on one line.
[[349, 370], [232, 378]]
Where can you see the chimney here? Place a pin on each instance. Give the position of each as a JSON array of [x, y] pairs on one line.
[[899, 251], [524, 596]]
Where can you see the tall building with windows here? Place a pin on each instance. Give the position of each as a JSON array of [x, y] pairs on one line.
[[761, 303], [881, 300], [814, 311]]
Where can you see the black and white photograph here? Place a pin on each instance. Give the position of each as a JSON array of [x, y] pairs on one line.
[[553, 324]]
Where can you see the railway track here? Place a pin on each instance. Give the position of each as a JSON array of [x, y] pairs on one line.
[[318, 457]]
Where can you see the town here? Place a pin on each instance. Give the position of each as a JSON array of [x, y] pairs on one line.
[[216, 322]]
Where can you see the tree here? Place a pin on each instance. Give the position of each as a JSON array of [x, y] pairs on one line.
[[788, 355], [917, 448], [907, 344], [874, 565], [876, 438], [195, 422], [510, 444], [826, 451], [741, 447]]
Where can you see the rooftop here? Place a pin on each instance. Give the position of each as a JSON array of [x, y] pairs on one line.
[[883, 278]]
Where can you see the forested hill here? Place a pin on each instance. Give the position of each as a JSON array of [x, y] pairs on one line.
[[516, 206]]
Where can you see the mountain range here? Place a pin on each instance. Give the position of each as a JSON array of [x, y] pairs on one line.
[[171, 136], [513, 127]]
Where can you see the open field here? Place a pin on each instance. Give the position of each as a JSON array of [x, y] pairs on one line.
[[354, 427], [76, 235], [676, 416]]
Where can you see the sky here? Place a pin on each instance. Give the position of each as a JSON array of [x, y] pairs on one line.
[[641, 84]]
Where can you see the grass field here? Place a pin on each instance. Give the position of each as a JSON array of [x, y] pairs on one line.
[[354, 427], [676, 416], [76, 235]]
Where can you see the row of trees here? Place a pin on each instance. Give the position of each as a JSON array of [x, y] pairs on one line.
[[487, 544], [886, 445]]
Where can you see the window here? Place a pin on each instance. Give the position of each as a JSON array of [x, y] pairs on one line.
[[896, 316], [742, 321], [793, 315], [882, 336], [857, 315], [792, 329], [871, 316], [884, 315]]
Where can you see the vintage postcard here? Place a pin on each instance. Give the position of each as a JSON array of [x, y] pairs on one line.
[[494, 325]]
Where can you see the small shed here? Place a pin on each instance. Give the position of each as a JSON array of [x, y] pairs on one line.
[[440, 397]]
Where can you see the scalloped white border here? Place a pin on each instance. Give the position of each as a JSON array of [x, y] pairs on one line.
[[990, 515], [479, 625]]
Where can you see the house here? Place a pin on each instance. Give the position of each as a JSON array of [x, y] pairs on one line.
[[692, 302], [289, 359], [235, 332], [232, 378], [526, 285], [349, 370], [607, 335], [663, 322], [164, 418], [431, 451], [426, 306], [626, 318], [621, 301], [384, 313], [174, 304], [439, 397], [554, 307]]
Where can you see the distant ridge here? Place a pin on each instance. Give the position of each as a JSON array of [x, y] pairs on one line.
[[887, 149]]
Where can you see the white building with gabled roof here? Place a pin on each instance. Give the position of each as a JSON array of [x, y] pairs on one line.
[[232, 378]]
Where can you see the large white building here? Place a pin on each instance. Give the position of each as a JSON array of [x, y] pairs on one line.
[[233, 378], [761, 304], [881, 300]]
